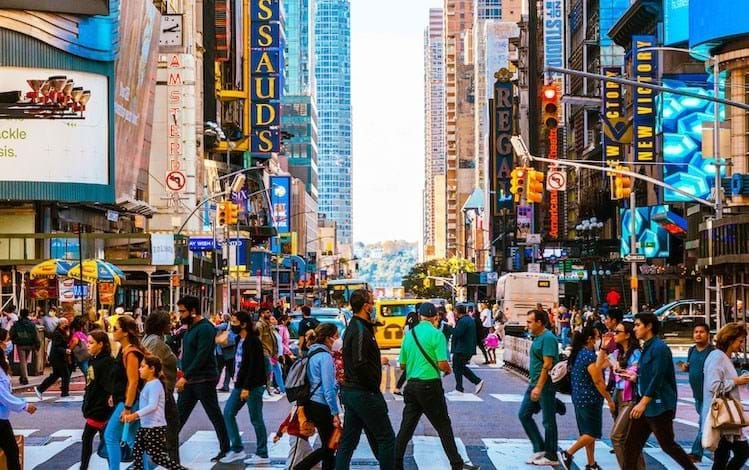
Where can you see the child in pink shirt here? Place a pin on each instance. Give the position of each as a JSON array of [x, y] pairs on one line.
[[492, 343]]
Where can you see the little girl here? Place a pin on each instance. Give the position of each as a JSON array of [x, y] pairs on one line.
[[151, 437], [492, 343]]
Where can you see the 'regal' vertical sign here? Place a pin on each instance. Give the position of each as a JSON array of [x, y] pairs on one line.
[[266, 71]]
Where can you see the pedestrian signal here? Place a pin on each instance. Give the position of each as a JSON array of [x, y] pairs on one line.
[[535, 189], [622, 186], [550, 106], [517, 182], [222, 214]]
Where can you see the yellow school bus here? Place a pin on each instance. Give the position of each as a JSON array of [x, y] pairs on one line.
[[391, 317]]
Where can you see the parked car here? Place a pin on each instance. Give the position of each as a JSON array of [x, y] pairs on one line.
[[679, 317]]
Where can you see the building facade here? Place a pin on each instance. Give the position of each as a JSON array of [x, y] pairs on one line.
[[333, 76], [434, 133]]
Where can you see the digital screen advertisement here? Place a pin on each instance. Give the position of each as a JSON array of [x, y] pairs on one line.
[[653, 240]]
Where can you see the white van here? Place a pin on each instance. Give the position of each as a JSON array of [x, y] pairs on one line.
[[517, 293]]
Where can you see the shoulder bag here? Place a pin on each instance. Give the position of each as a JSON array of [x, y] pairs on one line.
[[727, 413], [423, 353]]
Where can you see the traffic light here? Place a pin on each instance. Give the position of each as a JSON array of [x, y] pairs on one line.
[[221, 214], [517, 182], [535, 190], [232, 213], [550, 106], [622, 187]]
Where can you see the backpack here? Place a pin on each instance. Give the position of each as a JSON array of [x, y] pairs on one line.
[[23, 333], [560, 377], [297, 382]]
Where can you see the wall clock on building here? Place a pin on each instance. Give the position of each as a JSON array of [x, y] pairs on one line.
[[171, 30]]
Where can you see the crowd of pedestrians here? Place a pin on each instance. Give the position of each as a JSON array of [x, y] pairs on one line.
[[133, 370]]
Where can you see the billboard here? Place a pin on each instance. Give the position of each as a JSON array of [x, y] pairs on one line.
[[75, 7], [675, 21], [554, 36], [652, 238], [681, 120], [715, 22], [266, 62], [644, 69], [500, 148], [280, 200], [55, 122], [135, 72]]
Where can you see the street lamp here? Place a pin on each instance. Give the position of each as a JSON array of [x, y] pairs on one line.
[[589, 230]]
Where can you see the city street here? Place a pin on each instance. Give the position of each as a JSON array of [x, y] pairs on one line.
[[486, 428]]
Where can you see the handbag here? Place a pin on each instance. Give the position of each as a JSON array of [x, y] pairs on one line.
[[222, 339], [727, 413]]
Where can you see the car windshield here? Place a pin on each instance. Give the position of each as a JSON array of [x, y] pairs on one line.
[[397, 310]]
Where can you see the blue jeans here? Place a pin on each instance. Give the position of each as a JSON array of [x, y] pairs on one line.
[[547, 406], [114, 433], [255, 408], [565, 336], [697, 449], [278, 376], [84, 367]]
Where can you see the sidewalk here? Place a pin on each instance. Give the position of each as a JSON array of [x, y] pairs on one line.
[[77, 381]]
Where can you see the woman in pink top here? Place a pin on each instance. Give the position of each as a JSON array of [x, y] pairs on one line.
[[625, 362], [78, 345], [492, 343], [283, 330]]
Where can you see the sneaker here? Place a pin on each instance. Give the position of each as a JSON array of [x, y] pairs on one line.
[[560, 407], [218, 457], [232, 456], [468, 466], [397, 391], [479, 387], [544, 462], [257, 460], [38, 393], [594, 466], [565, 459], [535, 456], [455, 393]]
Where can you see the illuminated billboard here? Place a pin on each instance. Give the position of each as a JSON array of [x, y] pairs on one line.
[[715, 22], [266, 62], [675, 21], [652, 239], [680, 120]]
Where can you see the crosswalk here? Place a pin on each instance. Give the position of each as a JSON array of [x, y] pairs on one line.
[[61, 451]]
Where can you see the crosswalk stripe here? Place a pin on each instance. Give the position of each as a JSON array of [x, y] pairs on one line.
[[428, 452], [70, 399], [517, 397], [462, 397], [196, 452]]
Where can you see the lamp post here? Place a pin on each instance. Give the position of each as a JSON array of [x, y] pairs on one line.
[[589, 231]]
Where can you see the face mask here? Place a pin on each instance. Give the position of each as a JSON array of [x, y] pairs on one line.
[[373, 315], [236, 329], [188, 320], [337, 344]]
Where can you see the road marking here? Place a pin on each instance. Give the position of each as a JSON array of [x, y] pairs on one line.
[[41, 454], [462, 397], [272, 398], [70, 399], [687, 422], [281, 449], [518, 398], [428, 452], [25, 432], [664, 459]]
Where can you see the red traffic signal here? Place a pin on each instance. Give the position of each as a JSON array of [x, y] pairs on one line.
[[550, 106]]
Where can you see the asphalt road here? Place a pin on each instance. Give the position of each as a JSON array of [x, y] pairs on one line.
[[486, 428]]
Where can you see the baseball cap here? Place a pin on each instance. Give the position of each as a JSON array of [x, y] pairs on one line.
[[427, 309], [119, 310]]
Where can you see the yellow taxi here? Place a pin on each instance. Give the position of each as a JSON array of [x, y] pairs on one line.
[[391, 318]]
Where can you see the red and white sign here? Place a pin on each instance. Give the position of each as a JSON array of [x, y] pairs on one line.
[[556, 180], [175, 181]]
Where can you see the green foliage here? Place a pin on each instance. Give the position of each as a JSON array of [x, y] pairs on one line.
[[416, 282]]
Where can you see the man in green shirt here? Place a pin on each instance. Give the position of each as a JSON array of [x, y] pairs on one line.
[[423, 356], [539, 396]]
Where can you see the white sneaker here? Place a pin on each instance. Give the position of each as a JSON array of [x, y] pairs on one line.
[[38, 393], [536, 455], [257, 460], [544, 462], [454, 393], [232, 456], [479, 387]]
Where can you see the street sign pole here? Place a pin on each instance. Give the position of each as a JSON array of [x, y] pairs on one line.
[[632, 251]]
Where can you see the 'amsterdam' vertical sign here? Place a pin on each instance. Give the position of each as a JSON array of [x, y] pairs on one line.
[[644, 70], [266, 43]]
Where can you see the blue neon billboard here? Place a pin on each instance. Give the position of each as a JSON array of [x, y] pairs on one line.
[[653, 239], [280, 199], [711, 22], [680, 120], [675, 21]]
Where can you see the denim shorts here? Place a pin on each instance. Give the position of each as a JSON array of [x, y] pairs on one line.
[[590, 420]]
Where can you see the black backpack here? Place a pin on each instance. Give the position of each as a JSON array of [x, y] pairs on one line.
[[23, 333], [297, 382]]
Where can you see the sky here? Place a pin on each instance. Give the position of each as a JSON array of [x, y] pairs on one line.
[[387, 86]]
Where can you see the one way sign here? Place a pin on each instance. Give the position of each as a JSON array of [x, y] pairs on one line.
[[556, 180]]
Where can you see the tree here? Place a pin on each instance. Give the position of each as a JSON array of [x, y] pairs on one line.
[[417, 280]]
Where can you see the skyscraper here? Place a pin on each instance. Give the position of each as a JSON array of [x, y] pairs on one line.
[[434, 132], [333, 75]]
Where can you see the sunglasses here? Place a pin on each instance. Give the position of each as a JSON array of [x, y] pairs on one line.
[[619, 331]]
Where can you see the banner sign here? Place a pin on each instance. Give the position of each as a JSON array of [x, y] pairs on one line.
[[203, 244], [611, 114], [644, 69], [552, 150], [266, 62], [554, 36], [500, 146], [280, 200]]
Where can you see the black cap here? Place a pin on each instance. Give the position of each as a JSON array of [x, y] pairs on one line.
[[427, 309]]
